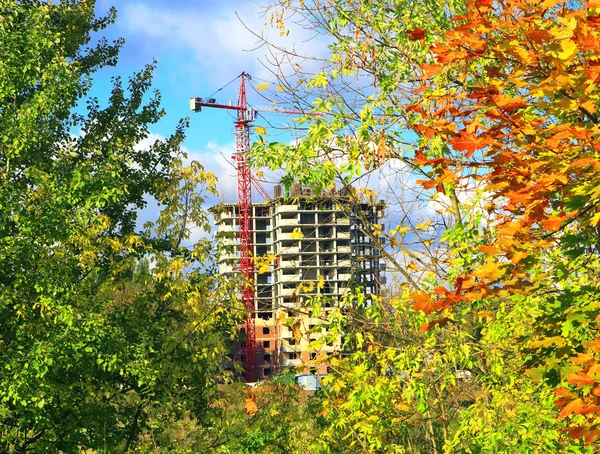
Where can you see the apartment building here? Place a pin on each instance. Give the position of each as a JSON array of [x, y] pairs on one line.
[[305, 247]]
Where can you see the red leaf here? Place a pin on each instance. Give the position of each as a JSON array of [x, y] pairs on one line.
[[539, 36], [441, 322], [427, 184], [575, 433], [591, 435], [416, 34], [458, 284], [513, 106]]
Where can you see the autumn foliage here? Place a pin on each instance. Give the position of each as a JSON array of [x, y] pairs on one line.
[[513, 89]]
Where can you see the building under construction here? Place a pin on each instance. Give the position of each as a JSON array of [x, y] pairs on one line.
[[303, 247]]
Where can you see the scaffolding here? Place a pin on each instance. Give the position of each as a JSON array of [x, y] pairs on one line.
[[318, 247]]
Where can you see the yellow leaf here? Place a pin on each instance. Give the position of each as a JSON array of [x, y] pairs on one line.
[[251, 407], [400, 230], [490, 269], [280, 88], [260, 130], [569, 48], [262, 87], [297, 234], [320, 281], [423, 225]]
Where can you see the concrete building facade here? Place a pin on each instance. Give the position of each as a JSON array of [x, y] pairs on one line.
[[305, 247]]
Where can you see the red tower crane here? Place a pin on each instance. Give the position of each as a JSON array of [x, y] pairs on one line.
[[246, 265], [245, 116]]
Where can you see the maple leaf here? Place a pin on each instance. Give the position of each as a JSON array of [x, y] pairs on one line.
[[552, 223], [416, 34], [251, 407], [575, 406], [490, 250], [490, 270], [441, 322], [580, 379], [423, 302], [466, 141], [427, 184], [591, 435]]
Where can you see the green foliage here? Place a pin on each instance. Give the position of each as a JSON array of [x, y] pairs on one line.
[[107, 335], [492, 322]]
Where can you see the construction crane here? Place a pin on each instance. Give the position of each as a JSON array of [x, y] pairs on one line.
[[245, 115]]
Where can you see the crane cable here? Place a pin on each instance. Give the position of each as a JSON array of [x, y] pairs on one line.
[[224, 86]]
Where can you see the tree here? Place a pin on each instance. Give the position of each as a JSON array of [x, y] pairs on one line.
[[108, 334], [502, 103]]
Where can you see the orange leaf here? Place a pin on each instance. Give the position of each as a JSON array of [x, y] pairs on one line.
[[416, 34], [583, 162], [431, 70], [580, 379], [552, 223], [427, 184], [489, 250], [466, 141], [575, 406], [423, 302], [590, 435], [251, 407], [441, 290]]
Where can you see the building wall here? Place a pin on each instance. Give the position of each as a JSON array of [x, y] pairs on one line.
[[303, 249]]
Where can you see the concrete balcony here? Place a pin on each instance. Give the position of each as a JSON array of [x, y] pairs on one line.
[[285, 208], [287, 292], [286, 236], [291, 362], [284, 249], [289, 278], [287, 222], [288, 264], [286, 348]]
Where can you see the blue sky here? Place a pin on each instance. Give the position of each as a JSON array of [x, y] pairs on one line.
[[199, 46]]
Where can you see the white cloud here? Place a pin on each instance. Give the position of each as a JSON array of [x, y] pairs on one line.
[[217, 39]]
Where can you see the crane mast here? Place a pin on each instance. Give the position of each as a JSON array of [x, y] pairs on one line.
[[245, 115], [245, 233], [242, 144]]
